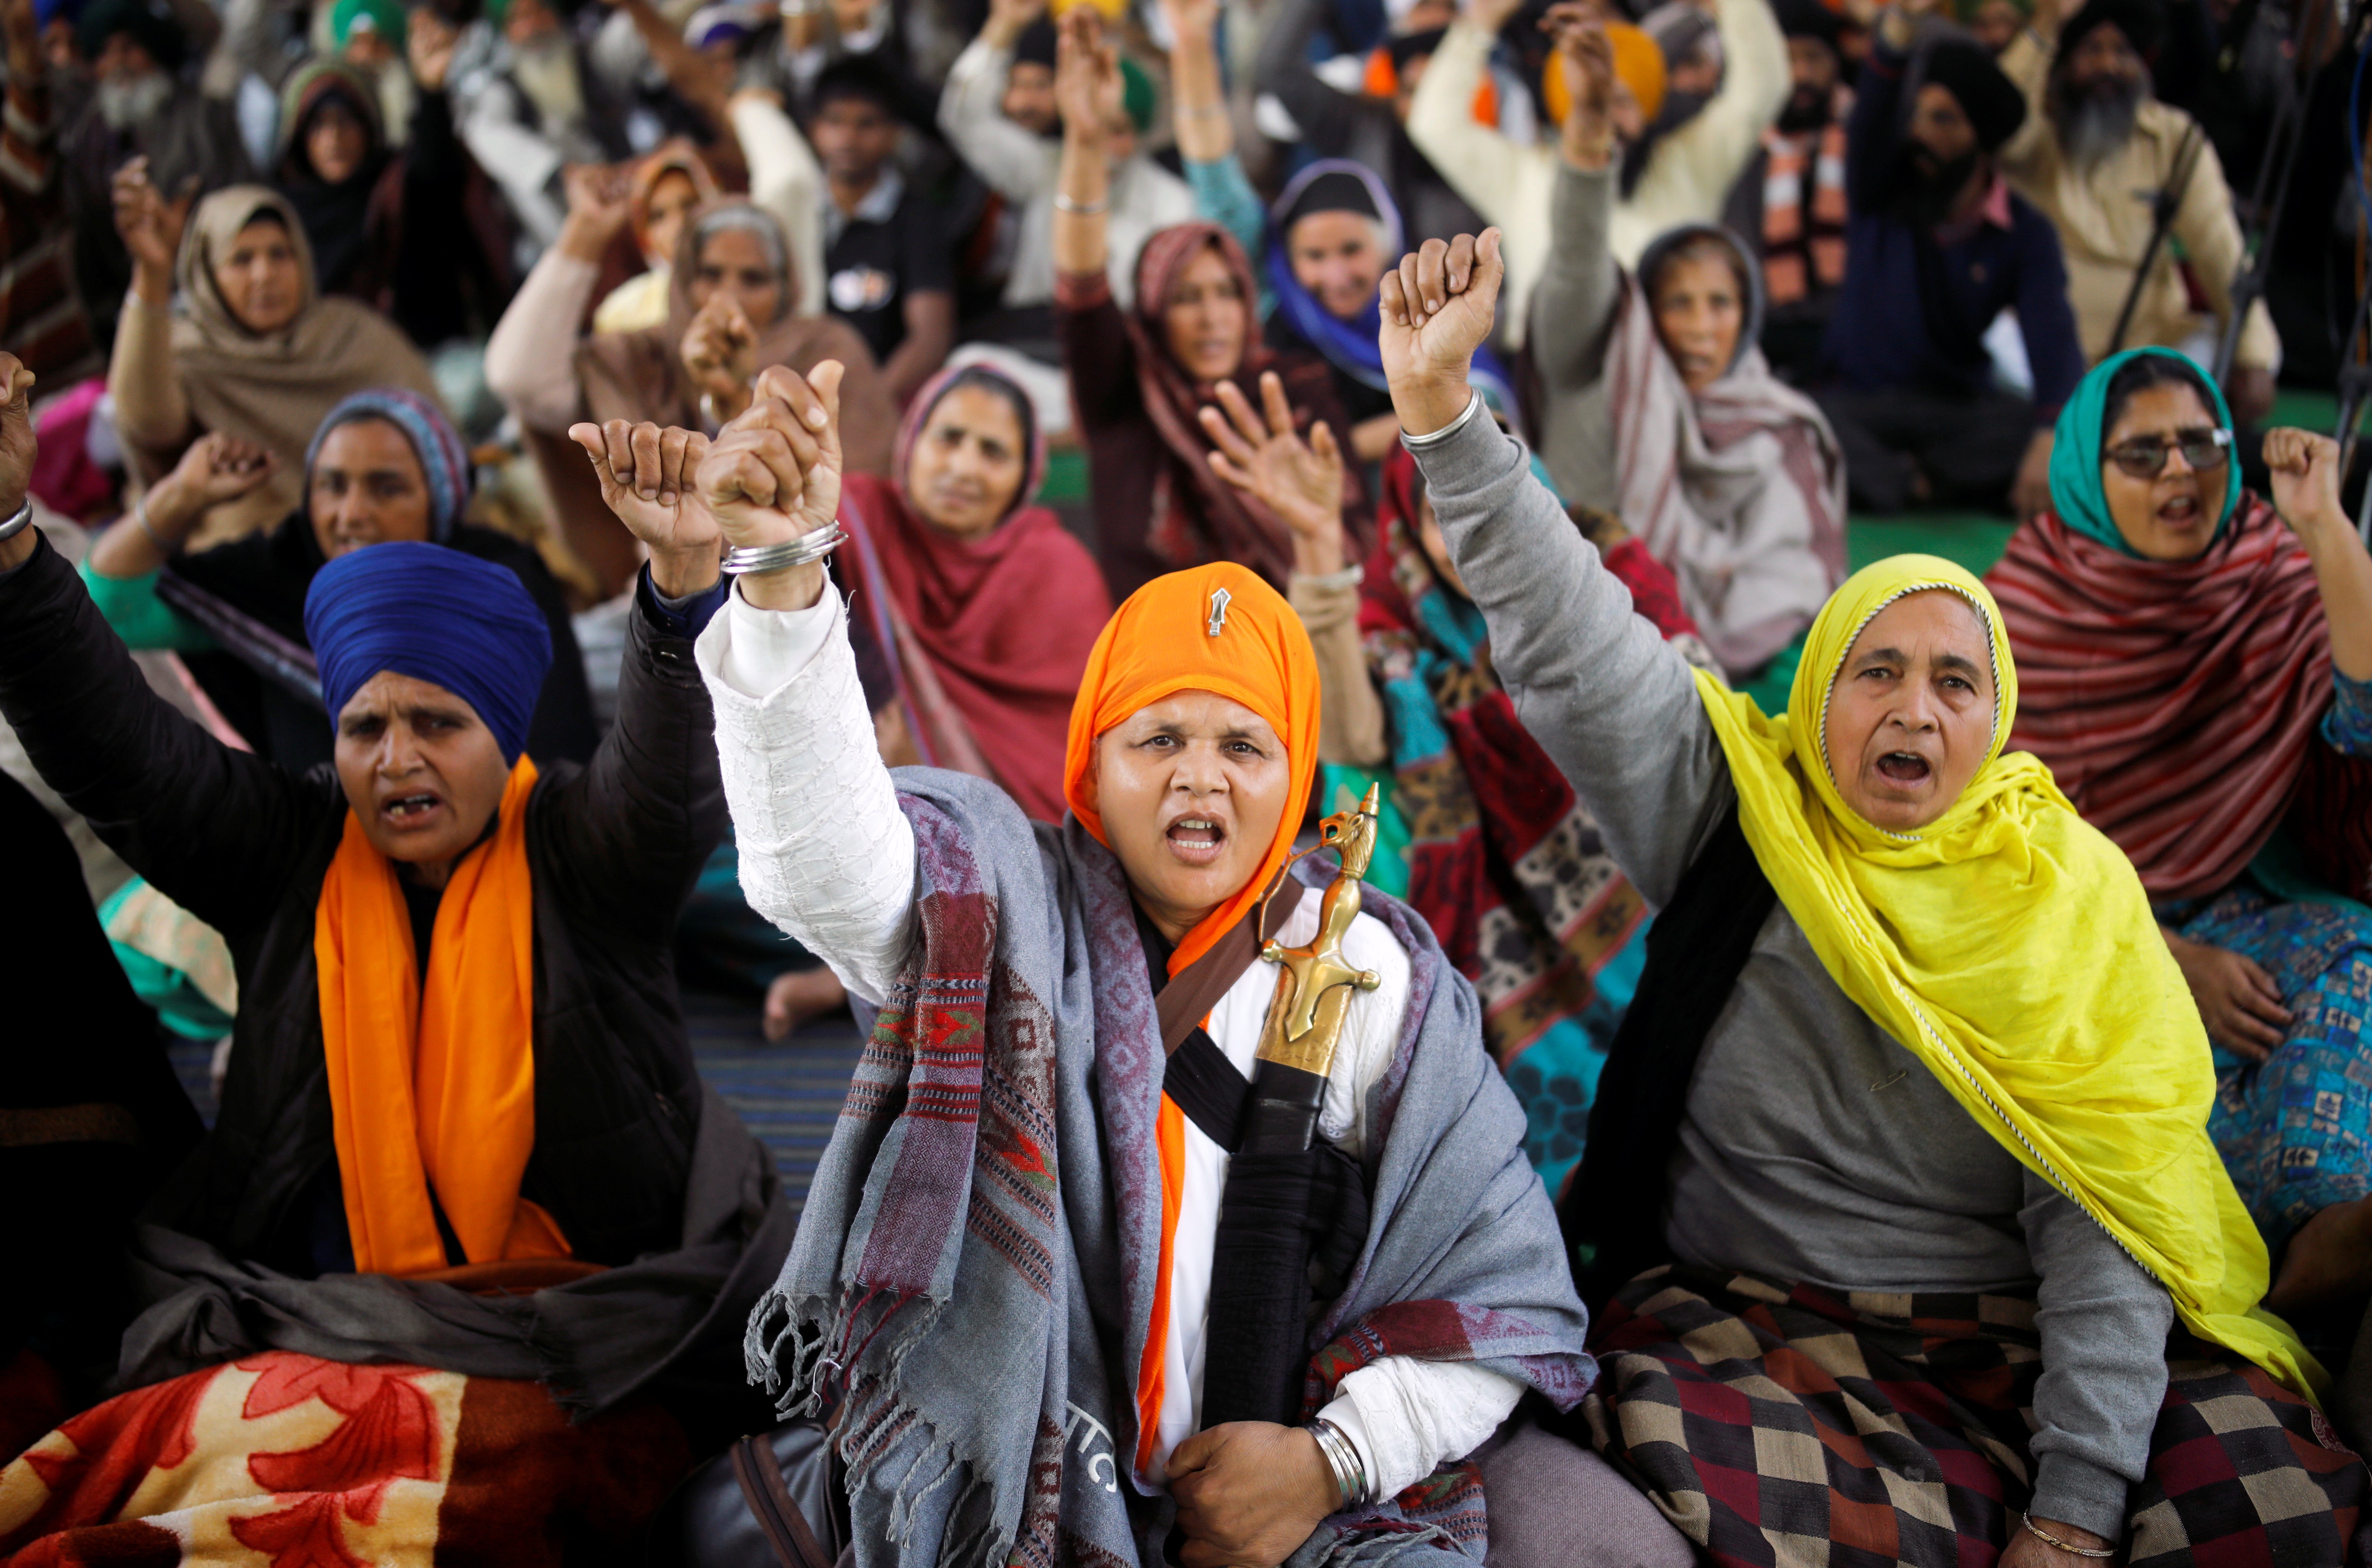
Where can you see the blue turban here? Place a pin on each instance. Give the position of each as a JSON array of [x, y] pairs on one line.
[[436, 615], [444, 461]]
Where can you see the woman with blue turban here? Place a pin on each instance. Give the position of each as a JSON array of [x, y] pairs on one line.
[[463, 1130], [384, 465]]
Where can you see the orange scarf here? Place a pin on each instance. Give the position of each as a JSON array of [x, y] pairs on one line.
[[433, 1087], [1156, 646]]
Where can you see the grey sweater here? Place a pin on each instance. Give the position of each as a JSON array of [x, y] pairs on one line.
[[1814, 1148]]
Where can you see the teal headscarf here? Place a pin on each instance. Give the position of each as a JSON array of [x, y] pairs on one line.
[[2077, 493]]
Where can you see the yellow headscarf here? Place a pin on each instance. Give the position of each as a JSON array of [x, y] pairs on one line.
[[2009, 947]]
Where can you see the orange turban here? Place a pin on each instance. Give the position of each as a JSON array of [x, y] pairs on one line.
[[1159, 644], [1638, 64]]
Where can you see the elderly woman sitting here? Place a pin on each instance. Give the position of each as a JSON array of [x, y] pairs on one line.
[[462, 1133], [386, 466], [1023, 1280], [1901, 1177]]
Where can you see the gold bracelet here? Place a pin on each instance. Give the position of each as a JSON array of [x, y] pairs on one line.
[[2046, 1539]]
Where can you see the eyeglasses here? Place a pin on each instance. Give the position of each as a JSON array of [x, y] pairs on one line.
[[2144, 456]]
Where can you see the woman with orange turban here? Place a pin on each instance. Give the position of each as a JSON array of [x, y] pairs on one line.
[[1002, 1284]]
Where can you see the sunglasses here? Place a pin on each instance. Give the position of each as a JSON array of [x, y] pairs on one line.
[[2144, 456]]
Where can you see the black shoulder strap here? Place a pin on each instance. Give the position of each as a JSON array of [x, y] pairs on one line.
[[1613, 1214]]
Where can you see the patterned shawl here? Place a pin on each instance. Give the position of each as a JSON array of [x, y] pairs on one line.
[[973, 1278], [2175, 701], [1205, 518], [1504, 862], [1740, 489]]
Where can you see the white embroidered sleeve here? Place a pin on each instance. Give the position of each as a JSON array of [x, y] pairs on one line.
[[1407, 1417], [825, 853]]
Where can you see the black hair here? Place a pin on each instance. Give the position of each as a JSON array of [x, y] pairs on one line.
[[859, 77], [2144, 371]]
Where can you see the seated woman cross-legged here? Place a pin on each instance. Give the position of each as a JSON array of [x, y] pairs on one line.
[[2198, 669], [468, 1209], [1899, 1190], [1011, 1285]]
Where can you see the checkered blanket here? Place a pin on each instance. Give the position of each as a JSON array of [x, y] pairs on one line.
[[1792, 1427]]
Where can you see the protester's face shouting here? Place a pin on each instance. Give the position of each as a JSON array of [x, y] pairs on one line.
[[368, 487], [734, 260], [260, 279], [1191, 789], [421, 770], [966, 467], [1339, 258], [1911, 715], [1204, 318], [674, 195], [1699, 311], [2171, 516], [1029, 98]]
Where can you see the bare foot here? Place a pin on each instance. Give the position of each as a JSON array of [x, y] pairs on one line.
[[2328, 1261], [802, 994]]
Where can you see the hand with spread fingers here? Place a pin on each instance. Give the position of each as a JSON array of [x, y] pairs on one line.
[[647, 472], [1437, 309], [773, 474], [720, 354], [1259, 453], [18, 447]]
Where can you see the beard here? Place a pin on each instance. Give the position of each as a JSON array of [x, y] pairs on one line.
[[1927, 188], [1807, 109], [2094, 123], [126, 104]]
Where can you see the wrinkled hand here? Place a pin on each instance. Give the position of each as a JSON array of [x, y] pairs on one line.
[[2238, 1000], [773, 474], [1586, 57], [218, 468], [1249, 1493], [2306, 479], [1260, 454], [18, 443], [720, 354], [430, 41], [1437, 309], [2029, 492], [149, 225], [646, 474], [1087, 73]]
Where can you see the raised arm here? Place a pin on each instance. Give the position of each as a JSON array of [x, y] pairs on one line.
[[531, 358], [825, 851], [1573, 304], [149, 409], [1479, 162], [1327, 117], [1712, 149], [1608, 698], [972, 106], [785, 180], [1087, 86]]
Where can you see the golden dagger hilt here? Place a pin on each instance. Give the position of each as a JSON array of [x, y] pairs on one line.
[[1314, 982]]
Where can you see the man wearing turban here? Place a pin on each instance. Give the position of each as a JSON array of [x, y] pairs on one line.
[[1005, 1288], [462, 1128], [1936, 246]]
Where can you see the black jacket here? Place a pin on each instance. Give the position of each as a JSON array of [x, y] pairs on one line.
[[244, 844]]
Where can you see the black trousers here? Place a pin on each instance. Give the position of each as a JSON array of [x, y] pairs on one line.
[[1968, 446]]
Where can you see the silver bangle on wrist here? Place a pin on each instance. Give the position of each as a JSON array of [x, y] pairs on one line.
[[1350, 576], [140, 516], [811, 546], [17, 524], [1064, 203], [1435, 438], [1343, 1459]]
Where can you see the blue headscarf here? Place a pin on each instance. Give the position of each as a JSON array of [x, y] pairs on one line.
[[1351, 347], [2078, 493], [443, 459], [436, 615]]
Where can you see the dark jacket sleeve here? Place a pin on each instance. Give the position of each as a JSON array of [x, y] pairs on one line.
[[641, 817], [1097, 352], [1872, 139], [217, 830], [2044, 318], [1328, 118]]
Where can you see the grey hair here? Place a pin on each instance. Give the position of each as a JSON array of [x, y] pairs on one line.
[[746, 218]]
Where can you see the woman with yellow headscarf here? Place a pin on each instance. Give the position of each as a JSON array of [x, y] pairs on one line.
[[1898, 1182], [1004, 1286]]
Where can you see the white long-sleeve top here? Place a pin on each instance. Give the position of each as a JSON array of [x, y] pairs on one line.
[[826, 855], [1687, 179]]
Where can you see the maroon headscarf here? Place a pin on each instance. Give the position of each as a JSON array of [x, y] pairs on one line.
[[985, 638], [1216, 522]]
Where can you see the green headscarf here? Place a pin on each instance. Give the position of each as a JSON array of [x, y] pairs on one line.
[[1136, 96], [386, 20], [2077, 493]]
